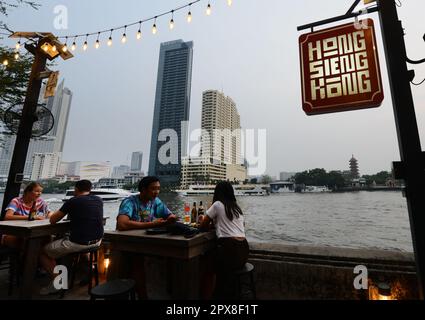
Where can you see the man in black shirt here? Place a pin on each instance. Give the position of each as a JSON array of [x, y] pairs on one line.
[[85, 212]]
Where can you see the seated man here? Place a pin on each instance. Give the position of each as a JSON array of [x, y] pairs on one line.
[[143, 211], [85, 213]]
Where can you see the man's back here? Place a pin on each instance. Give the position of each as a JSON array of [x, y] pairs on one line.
[[86, 215]]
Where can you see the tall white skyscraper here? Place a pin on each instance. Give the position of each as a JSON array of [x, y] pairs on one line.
[[220, 143], [53, 142], [136, 161], [221, 124]]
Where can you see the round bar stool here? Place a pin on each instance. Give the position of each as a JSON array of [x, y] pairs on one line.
[[247, 270], [118, 289], [92, 267]]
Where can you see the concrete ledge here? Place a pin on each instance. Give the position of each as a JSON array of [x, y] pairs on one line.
[[306, 272]]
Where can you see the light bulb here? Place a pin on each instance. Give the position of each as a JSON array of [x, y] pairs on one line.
[[45, 47], [229, 2], [18, 45], [208, 12], [97, 44], [154, 30], [5, 62], [16, 56], [54, 48], [74, 46], [189, 17], [85, 46], [171, 24], [65, 48], [139, 35], [124, 38], [109, 42]]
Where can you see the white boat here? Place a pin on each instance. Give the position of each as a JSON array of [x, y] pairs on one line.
[[105, 193], [282, 187], [240, 190], [316, 189]]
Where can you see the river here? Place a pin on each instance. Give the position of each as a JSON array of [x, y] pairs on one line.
[[374, 220]]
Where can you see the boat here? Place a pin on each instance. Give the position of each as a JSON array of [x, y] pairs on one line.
[[240, 190], [316, 189], [106, 193], [282, 187]]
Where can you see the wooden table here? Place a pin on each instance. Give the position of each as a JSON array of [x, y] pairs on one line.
[[184, 252], [33, 232]]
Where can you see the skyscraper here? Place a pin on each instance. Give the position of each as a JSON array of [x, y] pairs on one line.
[[136, 161], [221, 141], [172, 107], [53, 142]]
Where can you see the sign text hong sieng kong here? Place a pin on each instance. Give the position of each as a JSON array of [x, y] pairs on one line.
[[340, 69]]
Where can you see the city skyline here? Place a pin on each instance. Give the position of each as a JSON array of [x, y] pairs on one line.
[[255, 63]]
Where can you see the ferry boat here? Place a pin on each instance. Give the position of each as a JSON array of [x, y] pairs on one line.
[[315, 189], [282, 187], [287, 186], [240, 190], [105, 193]]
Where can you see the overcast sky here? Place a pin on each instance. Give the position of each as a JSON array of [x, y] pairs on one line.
[[248, 50]]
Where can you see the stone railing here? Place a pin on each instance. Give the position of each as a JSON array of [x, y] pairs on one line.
[[303, 272]]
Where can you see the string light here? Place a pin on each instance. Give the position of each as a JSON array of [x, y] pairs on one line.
[[139, 32], [16, 56], [172, 20], [65, 47], [97, 44], [74, 46], [45, 47], [110, 39], [5, 62], [54, 49], [85, 45], [154, 30], [124, 39], [124, 36], [189, 16]]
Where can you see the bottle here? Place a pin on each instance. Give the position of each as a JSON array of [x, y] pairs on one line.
[[200, 212], [33, 212], [194, 216], [186, 216]]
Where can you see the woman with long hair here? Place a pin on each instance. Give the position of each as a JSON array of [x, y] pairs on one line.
[[232, 246]]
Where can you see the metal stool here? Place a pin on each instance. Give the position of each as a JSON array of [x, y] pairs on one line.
[[92, 263], [119, 289], [248, 269]]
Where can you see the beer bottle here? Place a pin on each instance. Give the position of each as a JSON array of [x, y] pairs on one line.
[[200, 212], [194, 213], [33, 212]]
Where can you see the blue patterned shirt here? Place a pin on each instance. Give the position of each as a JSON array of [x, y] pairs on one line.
[[143, 212]]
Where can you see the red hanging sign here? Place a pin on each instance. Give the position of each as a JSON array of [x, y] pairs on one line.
[[340, 69]]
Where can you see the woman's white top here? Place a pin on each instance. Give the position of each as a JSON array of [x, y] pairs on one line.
[[223, 226]]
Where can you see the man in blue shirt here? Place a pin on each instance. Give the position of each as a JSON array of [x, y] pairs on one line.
[[143, 211]]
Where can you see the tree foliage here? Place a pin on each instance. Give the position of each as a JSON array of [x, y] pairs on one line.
[[15, 76], [319, 177], [379, 178], [6, 6]]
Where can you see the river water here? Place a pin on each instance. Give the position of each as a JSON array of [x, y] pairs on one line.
[[374, 220]]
